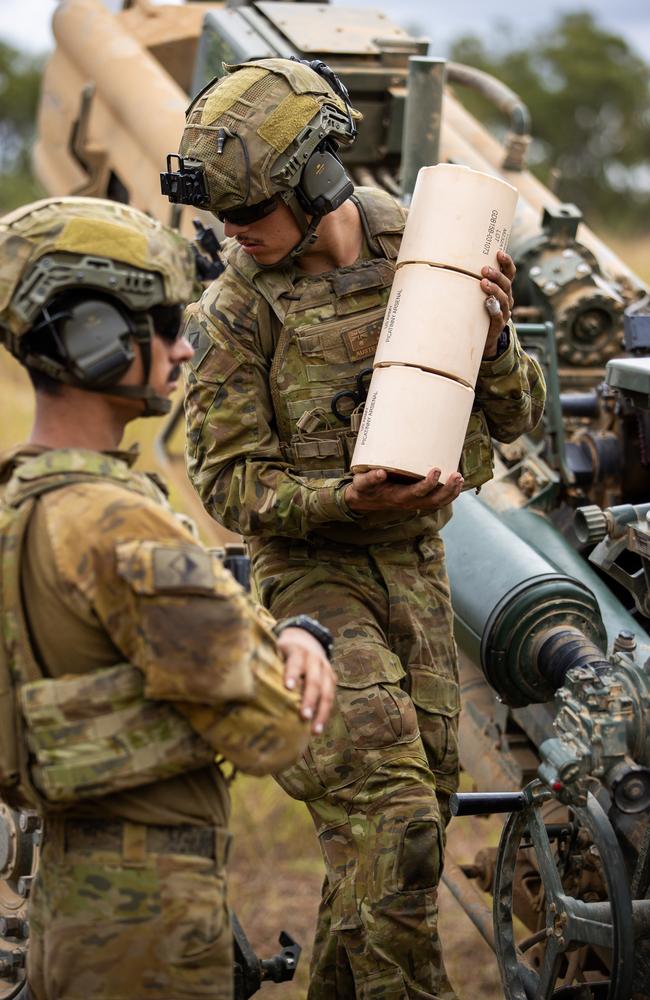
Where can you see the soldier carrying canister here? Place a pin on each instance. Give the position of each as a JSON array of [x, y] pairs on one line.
[[292, 322]]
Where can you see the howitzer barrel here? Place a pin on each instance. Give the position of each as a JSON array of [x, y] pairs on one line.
[[133, 92], [505, 610]]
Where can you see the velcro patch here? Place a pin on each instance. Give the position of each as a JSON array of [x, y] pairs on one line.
[[228, 92], [201, 343], [182, 568], [288, 120], [155, 568], [105, 239], [362, 342]]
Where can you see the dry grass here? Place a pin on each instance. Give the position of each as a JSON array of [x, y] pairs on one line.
[[276, 876]]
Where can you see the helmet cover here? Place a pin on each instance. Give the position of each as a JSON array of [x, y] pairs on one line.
[[254, 129]]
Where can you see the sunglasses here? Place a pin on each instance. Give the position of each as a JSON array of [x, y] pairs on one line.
[[249, 213]]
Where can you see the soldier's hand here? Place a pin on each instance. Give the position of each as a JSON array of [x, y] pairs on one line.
[[307, 666], [374, 490], [497, 286]]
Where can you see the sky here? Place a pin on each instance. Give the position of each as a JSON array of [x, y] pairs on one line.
[[25, 23]]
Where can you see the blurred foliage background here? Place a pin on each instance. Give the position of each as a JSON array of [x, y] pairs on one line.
[[20, 80], [588, 94]]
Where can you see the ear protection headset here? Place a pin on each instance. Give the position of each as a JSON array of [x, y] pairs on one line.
[[96, 338], [94, 341], [324, 183]]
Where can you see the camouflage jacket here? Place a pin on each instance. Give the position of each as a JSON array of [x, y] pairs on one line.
[[110, 575], [264, 450]]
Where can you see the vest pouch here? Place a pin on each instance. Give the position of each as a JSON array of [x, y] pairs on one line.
[[477, 458], [349, 441], [96, 734], [15, 785], [321, 454]]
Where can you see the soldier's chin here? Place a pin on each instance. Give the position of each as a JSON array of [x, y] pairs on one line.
[[264, 256]]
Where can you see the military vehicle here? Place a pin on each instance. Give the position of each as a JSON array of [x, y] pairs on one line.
[[556, 694]]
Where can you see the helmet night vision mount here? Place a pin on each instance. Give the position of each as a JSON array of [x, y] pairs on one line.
[[267, 132]]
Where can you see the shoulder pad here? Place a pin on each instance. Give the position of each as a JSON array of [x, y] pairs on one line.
[[58, 468], [383, 219]]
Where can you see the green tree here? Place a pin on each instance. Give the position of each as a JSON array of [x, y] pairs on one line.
[[589, 97], [20, 77]]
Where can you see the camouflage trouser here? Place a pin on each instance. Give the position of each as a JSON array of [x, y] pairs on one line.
[[378, 780], [128, 924]]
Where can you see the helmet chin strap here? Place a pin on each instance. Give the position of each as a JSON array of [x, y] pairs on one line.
[[307, 226], [154, 404]]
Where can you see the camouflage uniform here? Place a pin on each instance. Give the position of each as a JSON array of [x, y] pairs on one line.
[[134, 658], [130, 898], [269, 459]]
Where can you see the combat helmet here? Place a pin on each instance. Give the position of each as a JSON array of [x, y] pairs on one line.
[[270, 128], [81, 279]]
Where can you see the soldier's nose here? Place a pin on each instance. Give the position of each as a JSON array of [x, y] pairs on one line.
[[183, 350]]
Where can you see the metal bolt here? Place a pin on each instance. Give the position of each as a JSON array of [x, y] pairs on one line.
[[583, 269], [625, 641], [634, 789], [551, 287], [535, 271], [568, 253]]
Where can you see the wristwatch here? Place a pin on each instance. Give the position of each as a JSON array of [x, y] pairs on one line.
[[310, 625]]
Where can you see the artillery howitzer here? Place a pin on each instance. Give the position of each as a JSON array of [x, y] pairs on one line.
[[573, 864], [112, 107]]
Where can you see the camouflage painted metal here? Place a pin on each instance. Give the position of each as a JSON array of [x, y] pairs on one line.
[[62, 243], [253, 129]]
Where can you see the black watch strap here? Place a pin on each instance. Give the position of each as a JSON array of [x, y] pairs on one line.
[[310, 625]]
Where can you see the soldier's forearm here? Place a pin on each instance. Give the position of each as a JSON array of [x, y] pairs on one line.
[[261, 498], [260, 736], [511, 392]]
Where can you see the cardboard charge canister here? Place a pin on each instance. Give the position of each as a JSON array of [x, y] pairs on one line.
[[413, 421], [459, 218], [435, 319]]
